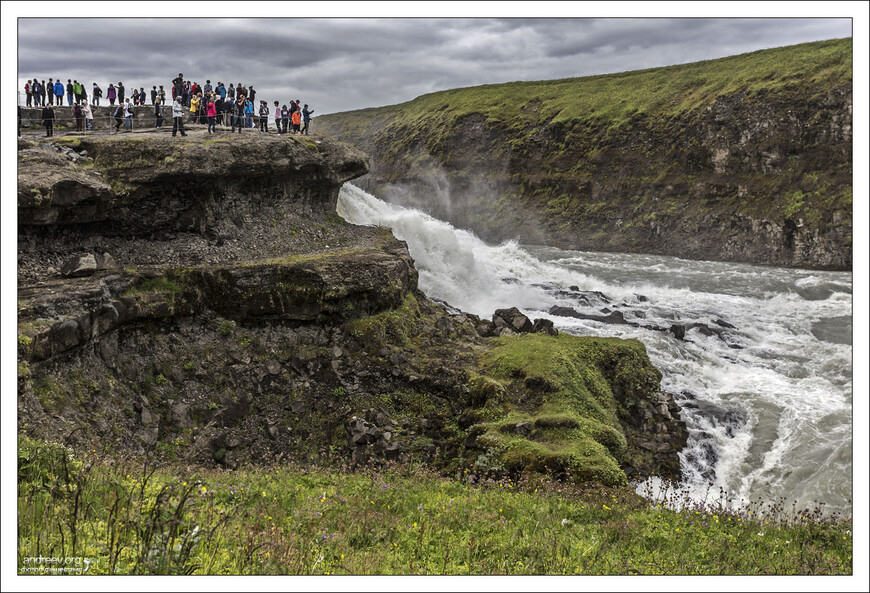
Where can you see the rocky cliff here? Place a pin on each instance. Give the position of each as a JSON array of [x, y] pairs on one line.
[[745, 159], [199, 298]]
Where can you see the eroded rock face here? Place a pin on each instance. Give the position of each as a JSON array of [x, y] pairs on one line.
[[148, 183], [761, 179]]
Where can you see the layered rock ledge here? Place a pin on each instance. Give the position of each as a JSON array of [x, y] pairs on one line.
[[151, 182]]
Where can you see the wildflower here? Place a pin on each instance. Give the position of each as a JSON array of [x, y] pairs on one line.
[[760, 534], [566, 522], [606, 507]]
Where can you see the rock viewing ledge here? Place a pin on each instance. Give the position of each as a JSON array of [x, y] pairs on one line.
[[152, 182]]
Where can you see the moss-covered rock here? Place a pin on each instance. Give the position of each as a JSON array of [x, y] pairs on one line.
[[563, 399]]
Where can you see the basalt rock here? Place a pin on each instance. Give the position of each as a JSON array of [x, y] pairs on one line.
[[131, 186], [656, 436], [613, 317], [512, 318], [544, 326], [79, 265]]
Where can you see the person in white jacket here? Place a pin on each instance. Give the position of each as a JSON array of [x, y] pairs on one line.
[[89, 115], [128, 115], [178, 116]]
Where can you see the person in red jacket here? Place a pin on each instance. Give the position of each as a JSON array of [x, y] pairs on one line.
[[211, 114]]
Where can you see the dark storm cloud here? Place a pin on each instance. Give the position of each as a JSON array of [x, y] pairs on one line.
[[339, 64]]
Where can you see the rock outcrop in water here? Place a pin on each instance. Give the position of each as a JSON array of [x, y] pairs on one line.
[[746, 159], [199, 298]]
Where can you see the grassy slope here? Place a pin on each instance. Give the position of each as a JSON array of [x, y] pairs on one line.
[[614, 98], [131, 519]]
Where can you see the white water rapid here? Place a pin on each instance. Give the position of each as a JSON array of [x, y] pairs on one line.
[[764, 379]]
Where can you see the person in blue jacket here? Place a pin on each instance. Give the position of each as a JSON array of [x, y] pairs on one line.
[[222, 91], [306, 118], [58, 92], [249, 114]]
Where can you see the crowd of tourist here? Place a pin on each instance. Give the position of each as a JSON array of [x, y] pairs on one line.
[[233, 107]]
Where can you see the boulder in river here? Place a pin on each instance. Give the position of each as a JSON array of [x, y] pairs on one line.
[[513, 319], [615, 317], [544, 326]]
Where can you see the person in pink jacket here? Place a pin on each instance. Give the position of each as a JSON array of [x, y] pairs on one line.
[[277, 117], [211, 114]]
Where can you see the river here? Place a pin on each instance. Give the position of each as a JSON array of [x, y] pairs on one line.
[[764, 376]]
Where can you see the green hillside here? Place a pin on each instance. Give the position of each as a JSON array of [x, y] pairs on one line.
[[764, 137], [614, 98]]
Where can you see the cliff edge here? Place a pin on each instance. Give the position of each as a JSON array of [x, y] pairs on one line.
[[198, 298]]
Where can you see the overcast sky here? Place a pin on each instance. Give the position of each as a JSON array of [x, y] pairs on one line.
[[342, 64]]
